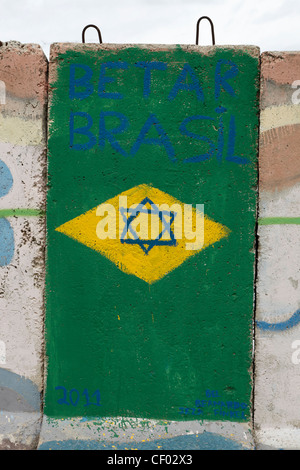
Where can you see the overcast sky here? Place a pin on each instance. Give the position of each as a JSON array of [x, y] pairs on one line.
[[270, 24]]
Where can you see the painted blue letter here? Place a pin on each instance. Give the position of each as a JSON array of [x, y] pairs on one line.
[[231, 142], [103, 80], [83, 81], [220, 110], [221, 80], [82, 130], [185, 131], [105, 134], [162, 140], [181, 84], [148, 66]]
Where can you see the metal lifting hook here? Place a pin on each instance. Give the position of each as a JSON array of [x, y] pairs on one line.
[[212, 29], [91, 26]]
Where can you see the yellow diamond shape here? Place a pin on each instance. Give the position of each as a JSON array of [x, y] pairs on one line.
[[145, 245]]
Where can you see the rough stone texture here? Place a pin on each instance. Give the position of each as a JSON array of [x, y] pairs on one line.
[[23, 78], [277, 368]]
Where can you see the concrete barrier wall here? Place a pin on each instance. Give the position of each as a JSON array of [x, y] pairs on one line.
[[277, 371], [23, 74], [136, 141], [174, 132]]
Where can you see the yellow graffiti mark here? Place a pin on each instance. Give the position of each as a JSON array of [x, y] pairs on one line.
[[100, 229], [19, 131], [278, 116]]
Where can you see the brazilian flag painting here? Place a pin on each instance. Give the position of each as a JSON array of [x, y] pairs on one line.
[[151, 216]]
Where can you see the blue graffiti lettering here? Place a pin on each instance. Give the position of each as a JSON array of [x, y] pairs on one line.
[[181, 84], [104, 80], [149, 66]]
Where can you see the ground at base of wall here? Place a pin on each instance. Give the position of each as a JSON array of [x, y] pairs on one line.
[[19, 431], [141, 434]]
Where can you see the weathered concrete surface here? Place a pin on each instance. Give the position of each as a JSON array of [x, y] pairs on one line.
[[23, 78], [160, 339], [142, 434], [277, 367]]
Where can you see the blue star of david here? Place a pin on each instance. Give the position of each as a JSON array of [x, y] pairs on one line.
[[147, 245]]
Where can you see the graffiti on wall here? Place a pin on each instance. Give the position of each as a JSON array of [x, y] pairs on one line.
[[127, 232], [279, 176], [82, 87], [6, 231], [277, 304], [6, 182], [148, 169], [22, 186]]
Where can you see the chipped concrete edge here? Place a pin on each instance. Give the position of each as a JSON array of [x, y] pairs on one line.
[[58, 48]]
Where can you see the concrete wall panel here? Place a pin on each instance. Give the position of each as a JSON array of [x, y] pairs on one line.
[[277, 371], [23, 74], [143, 327]]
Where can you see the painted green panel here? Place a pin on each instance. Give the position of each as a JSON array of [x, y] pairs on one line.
[[167, 344]]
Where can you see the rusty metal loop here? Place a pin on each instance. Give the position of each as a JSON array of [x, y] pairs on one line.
[[91, 26], [211, 26]]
